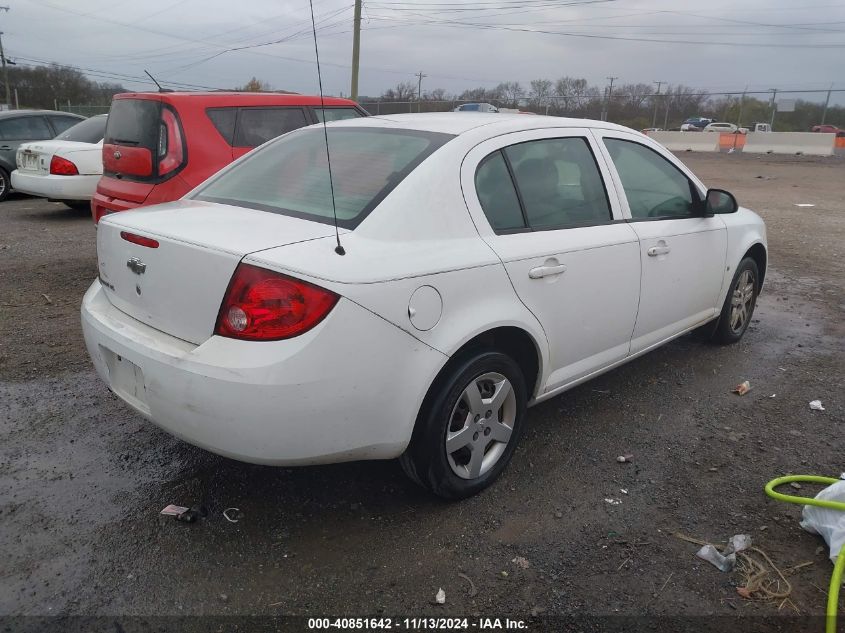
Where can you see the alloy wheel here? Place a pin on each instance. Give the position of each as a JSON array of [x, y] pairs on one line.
[[481, 425], [742, 301]]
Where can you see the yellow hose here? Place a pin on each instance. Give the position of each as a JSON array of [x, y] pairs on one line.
[[839, 567], [833, 594]]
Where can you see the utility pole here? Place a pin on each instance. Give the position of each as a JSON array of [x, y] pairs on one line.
[[774, 109], [654, 118], [826, 103], [419, 76], [607, 101], [356, 50], [741, 104], [5, 70]]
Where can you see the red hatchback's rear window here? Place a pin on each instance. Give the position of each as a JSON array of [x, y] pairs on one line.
[[133, 122]]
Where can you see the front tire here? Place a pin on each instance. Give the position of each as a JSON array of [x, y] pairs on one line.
[[739, 304], [468, 427]]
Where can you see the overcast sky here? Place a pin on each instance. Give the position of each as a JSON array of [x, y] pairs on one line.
[[719, 45]]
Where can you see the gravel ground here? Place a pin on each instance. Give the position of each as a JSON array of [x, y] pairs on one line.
[[82, 478]]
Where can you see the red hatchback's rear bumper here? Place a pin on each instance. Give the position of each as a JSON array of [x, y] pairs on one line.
[[115, 195], [103, 205]]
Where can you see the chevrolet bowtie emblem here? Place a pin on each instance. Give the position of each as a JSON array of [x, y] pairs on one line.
[[136, 266]]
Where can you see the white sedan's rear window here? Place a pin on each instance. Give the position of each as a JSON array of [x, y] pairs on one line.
[[290, 175]]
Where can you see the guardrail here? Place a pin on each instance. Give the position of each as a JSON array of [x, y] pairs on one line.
[[687, 141], [810, 143], [813, 143]]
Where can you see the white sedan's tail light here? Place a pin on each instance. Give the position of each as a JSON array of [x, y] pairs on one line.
[[63, 167], [263, 305]]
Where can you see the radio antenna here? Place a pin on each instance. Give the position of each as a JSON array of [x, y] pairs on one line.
[[337, 249], [160, 89]]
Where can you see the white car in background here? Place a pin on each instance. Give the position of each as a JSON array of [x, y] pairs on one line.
[[66, 168], [730, 128], [476, 107], [488, 263]]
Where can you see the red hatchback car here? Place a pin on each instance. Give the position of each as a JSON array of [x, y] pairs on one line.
[[159, 146], [829, 129]]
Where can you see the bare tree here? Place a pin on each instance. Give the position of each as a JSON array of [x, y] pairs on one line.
[[404, 91], [438, 94], [254, 85], [685, 101], [511, 92], [634, 96], [540, 93], [43, 86], [571, 92]]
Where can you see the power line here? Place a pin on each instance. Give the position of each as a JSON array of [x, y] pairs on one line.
[[431, 21], [115, 75]]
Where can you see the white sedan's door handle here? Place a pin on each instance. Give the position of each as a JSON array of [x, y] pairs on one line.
[[546, 271], [654, 251]]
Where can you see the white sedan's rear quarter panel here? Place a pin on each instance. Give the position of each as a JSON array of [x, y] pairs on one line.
[[89, 161], [348, 389]]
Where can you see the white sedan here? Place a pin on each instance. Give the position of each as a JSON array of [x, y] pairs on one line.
[[66, 168], [730, 128], [482, 264]]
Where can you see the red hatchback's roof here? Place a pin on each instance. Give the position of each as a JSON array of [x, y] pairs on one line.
[[241, 98]]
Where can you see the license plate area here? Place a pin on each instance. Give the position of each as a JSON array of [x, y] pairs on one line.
[[30, 161], [126, 380]]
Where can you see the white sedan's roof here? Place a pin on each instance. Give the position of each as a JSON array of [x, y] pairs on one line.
[[460, 122]]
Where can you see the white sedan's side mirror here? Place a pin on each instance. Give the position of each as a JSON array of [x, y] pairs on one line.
[[719, 201]]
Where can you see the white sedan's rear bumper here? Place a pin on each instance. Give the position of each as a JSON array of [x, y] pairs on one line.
[[348, 389], [55, 187]]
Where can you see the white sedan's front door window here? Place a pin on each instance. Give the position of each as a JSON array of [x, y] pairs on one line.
[[682, 252]]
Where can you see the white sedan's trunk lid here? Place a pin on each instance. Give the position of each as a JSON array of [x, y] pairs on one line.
[[35, 157], [178, 286]]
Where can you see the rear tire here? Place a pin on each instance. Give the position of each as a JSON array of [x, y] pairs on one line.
[[739, 304], [468, 426], [5, 184]]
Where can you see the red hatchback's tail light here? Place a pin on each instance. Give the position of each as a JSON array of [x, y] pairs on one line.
[[262, 305], [171, 152], [62, 167]]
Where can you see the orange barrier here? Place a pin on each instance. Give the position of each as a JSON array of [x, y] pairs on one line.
[[728, 140], [840, 142]]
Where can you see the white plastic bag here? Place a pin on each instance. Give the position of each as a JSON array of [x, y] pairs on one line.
[[827, 522]]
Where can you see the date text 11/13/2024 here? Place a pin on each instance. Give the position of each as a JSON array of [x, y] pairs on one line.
[[418, 624]]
